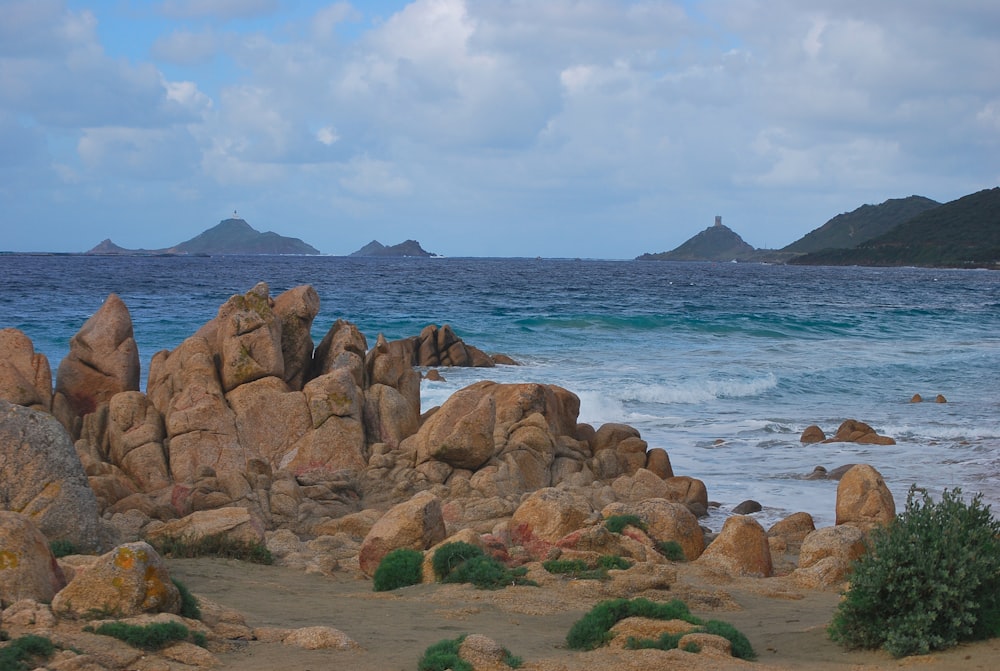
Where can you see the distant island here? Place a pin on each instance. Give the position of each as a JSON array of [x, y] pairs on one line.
[[407, 248], [230, 236], [913, 231]]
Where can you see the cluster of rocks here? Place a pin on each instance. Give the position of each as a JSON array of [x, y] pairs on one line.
[[250, 432]]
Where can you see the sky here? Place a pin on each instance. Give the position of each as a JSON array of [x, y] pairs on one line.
[[554, 128]]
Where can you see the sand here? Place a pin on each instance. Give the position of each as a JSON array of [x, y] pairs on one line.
[[786, 625]]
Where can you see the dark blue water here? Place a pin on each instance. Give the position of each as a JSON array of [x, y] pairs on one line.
[[691, 354]]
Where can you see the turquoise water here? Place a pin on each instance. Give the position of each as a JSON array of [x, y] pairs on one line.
[[722, 365]]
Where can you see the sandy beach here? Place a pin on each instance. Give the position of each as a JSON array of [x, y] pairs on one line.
[[786, 625]]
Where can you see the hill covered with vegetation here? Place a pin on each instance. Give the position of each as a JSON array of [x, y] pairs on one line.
[[964, 233], [851, 229]]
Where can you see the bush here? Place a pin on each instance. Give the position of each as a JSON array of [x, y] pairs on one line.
[[400, 568], [594, 629], [218, 545], [672, 550], [189, 605], [62, 548], [617, 523], [580, 570], [443, 655], [487, 573], [931, 579], [17, 655], [149, 637], [450, 555], [613, 562], [741, 645]]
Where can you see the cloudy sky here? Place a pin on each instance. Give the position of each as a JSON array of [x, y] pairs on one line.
[[566, 128]]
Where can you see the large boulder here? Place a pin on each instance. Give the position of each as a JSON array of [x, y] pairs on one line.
[[416, 524], [129, 580], [741, 549], [27, 568], [460, 433], [296, 309], [135, 440], [270, 418], [827, 554], [665, 521], [337, 439], [343, 347], [863, 498], [201, 427], [42, 478], [442, 347], [25, 377], [103, 359], [247, 338], [550, 514], [232, 524]]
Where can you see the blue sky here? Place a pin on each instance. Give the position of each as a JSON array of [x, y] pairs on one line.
[[564, 128]]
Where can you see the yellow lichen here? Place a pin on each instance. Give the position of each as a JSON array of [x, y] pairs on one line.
[[8, 559]]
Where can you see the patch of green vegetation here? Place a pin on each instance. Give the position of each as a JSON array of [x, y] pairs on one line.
[[218, 545], [930, 580], [23, 653], [151, 637], [400, 568], [450, 555], [62, 548], [461, 562], [594, 629], [487, 573], [617, 523], [672, 550], [580, 570], [443, 656], [189, 604]]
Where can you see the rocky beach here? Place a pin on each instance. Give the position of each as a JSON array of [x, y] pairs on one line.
[[251, 434]]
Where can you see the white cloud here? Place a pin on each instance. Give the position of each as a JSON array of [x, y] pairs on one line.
[[372, 177], [185, 47]]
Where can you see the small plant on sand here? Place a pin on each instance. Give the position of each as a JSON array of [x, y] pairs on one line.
[[617, 523], [218, 545], [580, 570], [930, 580], [672, 550], [189, 604], [400, 568], [148, 637], [23, 652], [461, 562], [443, 655], [450, 555], [594, 629]]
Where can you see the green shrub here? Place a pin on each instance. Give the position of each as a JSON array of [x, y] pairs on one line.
[[450, 555], [672, 550], [149, 637], [617, 523], [62, 548], [931, 579], [443, 655], [218, 545], [487, 573], [613, 562], [400, 568], [189, 605], [741, 645], [594, 629], [21, 651], [565, 566]]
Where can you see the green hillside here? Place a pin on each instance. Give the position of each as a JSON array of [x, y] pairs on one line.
[[850, 229], [963, 233], [715, 243], [236, 236]]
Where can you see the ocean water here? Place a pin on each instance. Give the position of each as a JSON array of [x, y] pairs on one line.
[[723, 365]]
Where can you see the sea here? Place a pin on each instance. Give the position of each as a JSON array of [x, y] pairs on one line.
[[721, 364]]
